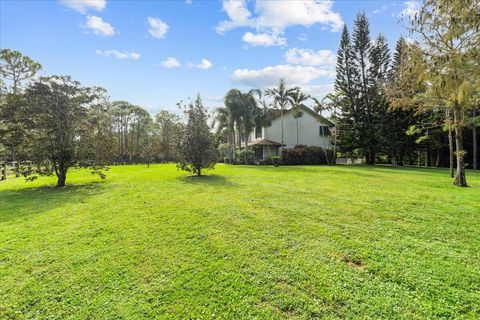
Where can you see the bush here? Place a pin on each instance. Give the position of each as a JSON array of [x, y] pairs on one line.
[[240, 157], [306, 155], [275, 160], [267, 161]]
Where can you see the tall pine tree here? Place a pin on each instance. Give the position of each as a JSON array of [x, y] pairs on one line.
[[346, 85]]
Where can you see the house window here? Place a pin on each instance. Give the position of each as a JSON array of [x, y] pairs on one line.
[[324, 131]]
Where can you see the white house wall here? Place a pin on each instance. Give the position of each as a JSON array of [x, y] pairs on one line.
[[308, 131]]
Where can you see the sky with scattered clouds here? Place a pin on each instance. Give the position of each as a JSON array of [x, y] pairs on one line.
[[155, 53]]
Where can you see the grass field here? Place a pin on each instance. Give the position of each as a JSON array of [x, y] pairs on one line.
[[245, 242]]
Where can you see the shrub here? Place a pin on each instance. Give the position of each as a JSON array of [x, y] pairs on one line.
[[240, 157], [275, 160], [301, 154]]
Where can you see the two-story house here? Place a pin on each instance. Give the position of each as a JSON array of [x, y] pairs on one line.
[[309, 129]]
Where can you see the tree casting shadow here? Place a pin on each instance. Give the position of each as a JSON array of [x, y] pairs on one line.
[[211, 180], [19, 203]]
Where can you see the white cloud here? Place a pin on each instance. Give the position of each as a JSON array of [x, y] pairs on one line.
[[188, 2], [100, 27], [157, 28], [83, 6], [411, 8], [275, 16], [238, 13], [268, 76], [118, 54], [170, 62], [380, 10], [318, 90], [204, 64], [309, 57], [264, 39]]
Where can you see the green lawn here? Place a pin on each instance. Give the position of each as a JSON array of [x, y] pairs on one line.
[[296, 242]]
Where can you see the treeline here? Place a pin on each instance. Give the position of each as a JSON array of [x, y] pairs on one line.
[[50, 124], [419, 105]]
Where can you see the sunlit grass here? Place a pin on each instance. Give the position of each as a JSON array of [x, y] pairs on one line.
[[245, 242]]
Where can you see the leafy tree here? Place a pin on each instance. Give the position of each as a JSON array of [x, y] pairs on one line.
[[401, 115], [168, 128], [65, 136], [196, 150], [15, 69], [132, 127], [448, 34]]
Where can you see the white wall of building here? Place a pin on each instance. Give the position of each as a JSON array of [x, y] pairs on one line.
[[308, 131]]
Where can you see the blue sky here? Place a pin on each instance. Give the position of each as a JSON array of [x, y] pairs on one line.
[[155, 53]]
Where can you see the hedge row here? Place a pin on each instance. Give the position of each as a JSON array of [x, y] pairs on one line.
[[306, 155]]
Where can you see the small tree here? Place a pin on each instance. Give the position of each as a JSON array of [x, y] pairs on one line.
[[196, 150], [64, 136]]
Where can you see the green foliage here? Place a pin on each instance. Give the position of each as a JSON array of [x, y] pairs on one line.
[[245, 157], [306, 155], [15, 68], [275, 160], [362, 69], [59, 111], [168, 128], [196, 149]]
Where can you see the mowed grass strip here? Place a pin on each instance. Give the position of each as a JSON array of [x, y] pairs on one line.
[[296, 242]]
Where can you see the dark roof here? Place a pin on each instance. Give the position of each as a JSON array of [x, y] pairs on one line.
[[306, 109], [264, 142]]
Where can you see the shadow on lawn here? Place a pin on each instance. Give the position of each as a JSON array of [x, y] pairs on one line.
[[18, 203], [210, 180]]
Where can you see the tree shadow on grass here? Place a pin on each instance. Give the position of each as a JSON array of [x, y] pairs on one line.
[[210, 180], [19, 203]]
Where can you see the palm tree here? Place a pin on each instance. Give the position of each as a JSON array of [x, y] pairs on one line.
[[281, 98], [296, 100], [332, 102], [222, 120], [234, 104], [319, 107]]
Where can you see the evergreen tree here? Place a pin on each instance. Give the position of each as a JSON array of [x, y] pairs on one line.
[[345, 84], [361, 76], [196, 150], [396, 143]]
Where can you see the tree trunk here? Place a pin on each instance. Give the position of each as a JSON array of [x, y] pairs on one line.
[[334, 161], [370, 158], [460, 179], [246, 147], [61, 177], [450, 144], [281, 118], [475, 143], [437, 161], [297, 131]]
